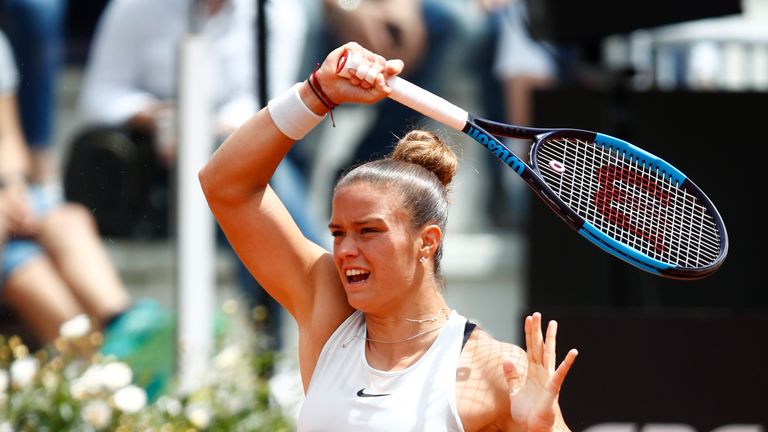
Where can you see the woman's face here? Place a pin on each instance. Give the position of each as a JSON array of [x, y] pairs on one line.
[[374, 247]]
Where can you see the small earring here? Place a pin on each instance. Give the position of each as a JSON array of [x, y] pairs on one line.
[[422, 259]]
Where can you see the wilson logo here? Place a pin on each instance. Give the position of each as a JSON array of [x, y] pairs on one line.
[[498, 149], [640, 211]]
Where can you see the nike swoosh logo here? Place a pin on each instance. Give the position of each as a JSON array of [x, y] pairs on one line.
[[362, 393]]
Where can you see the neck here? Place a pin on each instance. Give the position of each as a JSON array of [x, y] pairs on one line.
[[400, 343], [418, 312], [411, 326]]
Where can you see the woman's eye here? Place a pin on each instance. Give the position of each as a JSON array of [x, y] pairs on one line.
[[336, 233], [368, 230]]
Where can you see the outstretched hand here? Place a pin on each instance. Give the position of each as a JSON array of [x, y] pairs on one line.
[[533, 395], [368, 85]]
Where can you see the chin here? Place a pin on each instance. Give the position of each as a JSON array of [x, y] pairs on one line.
[[358, 300]]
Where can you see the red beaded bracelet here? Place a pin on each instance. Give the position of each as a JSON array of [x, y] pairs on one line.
[[314, 84]]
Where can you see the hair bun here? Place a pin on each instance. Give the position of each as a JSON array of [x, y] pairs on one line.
[[425, 148]]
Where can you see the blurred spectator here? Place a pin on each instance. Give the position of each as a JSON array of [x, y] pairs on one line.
[[128, 106], [475, 53], [441, 41], [53, 266], [522, 65], [447, 47], [35, 31]]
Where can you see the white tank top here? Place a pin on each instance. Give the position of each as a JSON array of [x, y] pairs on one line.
[[346, 394]]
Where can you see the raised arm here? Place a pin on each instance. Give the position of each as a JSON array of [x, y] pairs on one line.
[[235, 182]]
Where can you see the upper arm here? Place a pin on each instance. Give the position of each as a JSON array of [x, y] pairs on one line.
[[482, 390], [297, 273], [290, 267]]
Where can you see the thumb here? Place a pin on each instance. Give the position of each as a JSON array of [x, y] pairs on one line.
[[514, 381]]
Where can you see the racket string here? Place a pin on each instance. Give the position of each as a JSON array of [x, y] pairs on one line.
[[631, 201]]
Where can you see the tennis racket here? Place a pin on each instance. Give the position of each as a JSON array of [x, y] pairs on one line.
[[618, 196]]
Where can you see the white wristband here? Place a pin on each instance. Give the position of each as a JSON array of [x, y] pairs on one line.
[[291, 115]]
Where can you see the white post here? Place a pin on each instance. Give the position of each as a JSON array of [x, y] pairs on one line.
[[195, 235]]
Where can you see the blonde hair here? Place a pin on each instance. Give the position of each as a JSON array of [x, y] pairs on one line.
[[419, 169]]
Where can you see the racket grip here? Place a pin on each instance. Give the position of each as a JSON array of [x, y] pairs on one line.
[[411, 95]]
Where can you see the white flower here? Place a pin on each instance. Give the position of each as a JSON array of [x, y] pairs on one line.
[[72, 370], [228, 357], [23, 371], [76, 327], [230, 403], [77, 388], [65, 411], [50, 379], [90, 383], [115, 375], [130, 399], [96, 413], [6, 427], [199, 415], [170, 405], [4, 381]]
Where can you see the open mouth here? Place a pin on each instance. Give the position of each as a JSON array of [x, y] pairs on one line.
[[357, 275]]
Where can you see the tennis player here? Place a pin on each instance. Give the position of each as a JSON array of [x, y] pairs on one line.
[[379, 347]]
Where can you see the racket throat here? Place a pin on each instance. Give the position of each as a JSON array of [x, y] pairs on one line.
[[496, 147]]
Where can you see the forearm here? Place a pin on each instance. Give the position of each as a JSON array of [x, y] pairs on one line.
[[248, 158], [14, 160], [14, 155]]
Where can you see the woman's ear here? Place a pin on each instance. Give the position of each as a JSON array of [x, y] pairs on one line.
[[431, 236]]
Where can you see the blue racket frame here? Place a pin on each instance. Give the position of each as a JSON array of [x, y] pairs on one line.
[[486, 132]]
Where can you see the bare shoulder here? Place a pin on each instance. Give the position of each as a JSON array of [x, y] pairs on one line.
[[329, 306], [481, 390], [326, 311]]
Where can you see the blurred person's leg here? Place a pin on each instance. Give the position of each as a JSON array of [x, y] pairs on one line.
[[70, 237], [36, 292], [522, 65], [35, 31], [32, 282]]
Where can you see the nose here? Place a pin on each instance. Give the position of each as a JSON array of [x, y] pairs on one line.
[[345, 247]]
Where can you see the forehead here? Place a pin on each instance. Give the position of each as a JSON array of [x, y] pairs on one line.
[[362, 200]]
